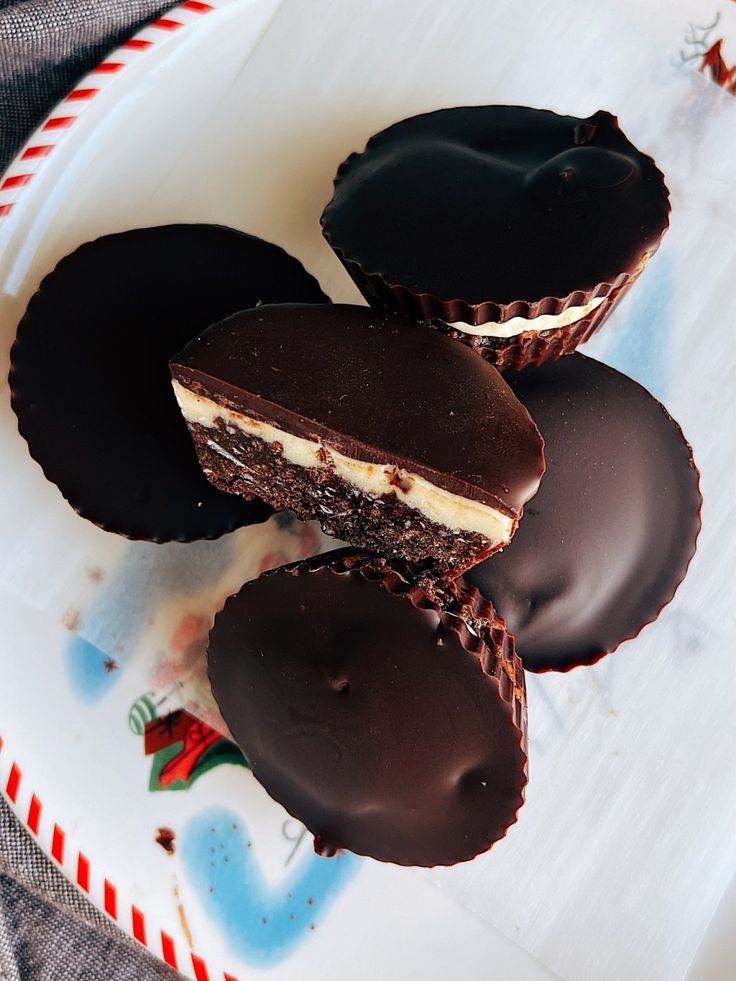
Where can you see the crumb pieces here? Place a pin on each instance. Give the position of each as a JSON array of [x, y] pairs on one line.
[[165, 837]]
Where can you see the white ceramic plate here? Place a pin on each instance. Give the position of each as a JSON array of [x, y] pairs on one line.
[[238, 112], [157, 134]]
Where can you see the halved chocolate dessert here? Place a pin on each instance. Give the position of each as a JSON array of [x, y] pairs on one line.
[[395, 438], [390, 721]]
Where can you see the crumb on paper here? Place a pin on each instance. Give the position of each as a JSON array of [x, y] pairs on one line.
[[165, 837]]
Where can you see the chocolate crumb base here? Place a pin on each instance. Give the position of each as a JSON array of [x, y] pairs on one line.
[[384, 525], [390, 721]]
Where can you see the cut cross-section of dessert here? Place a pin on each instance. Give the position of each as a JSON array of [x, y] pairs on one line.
[[397, 439]]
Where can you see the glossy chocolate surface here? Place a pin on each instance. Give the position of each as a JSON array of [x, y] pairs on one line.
[[609, 535], [370, 713], [498, 203], [90, 381], [376, 387]]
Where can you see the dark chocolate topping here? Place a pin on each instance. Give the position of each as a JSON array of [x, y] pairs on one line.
[[498, 203], [610, 533], [370, 710], [90, 382], [378, 388]]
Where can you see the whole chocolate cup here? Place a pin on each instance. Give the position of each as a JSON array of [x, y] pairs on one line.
[[89, 377], [610, 534], [389, 719], [413, 296]]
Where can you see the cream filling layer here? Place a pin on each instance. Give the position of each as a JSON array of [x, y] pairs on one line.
[[519, 325], [439, 506]]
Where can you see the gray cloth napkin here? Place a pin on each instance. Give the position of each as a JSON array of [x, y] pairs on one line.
[[48, 931], [46, 45]]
